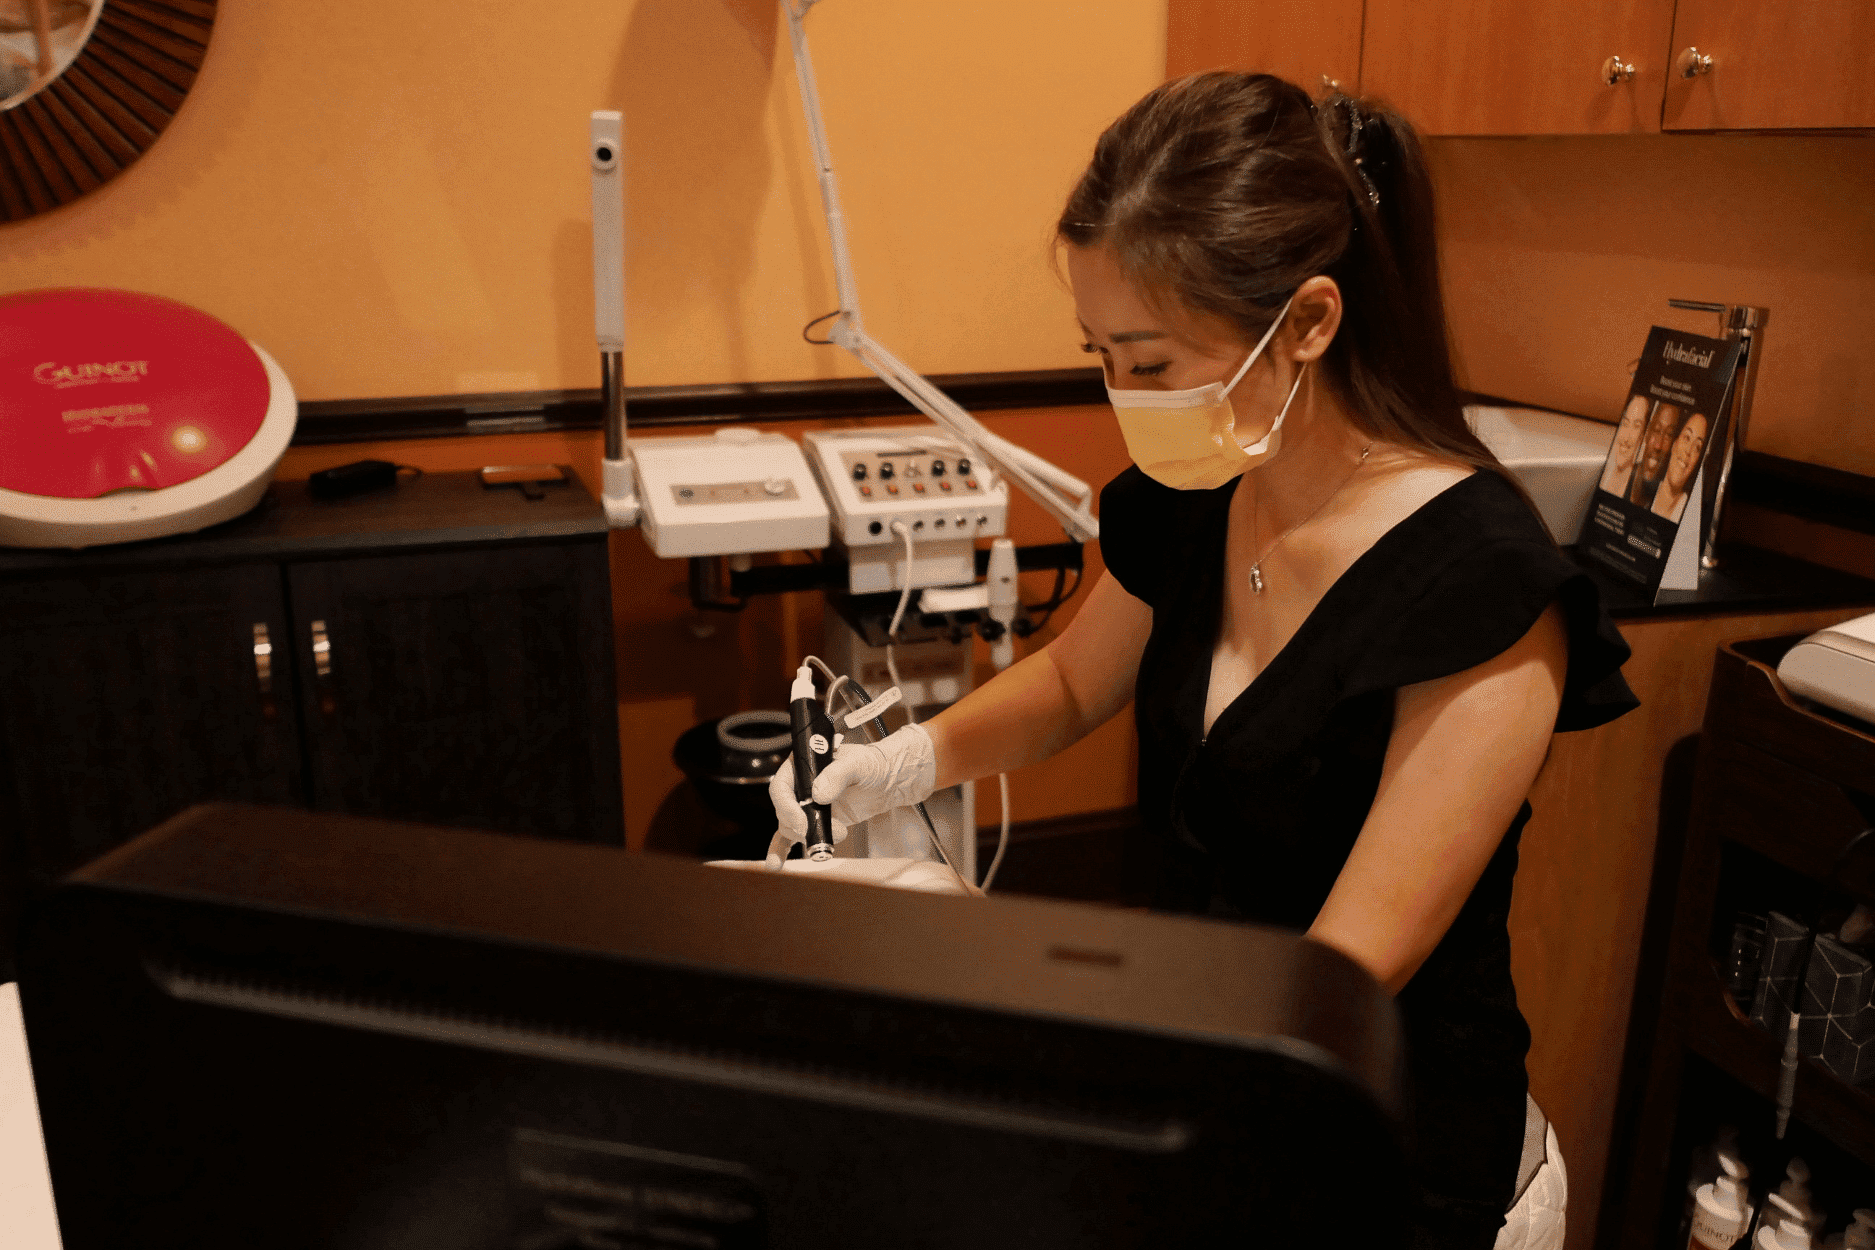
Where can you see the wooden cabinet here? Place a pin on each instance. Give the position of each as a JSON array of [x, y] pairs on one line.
[[439, 653], [1512, 67], [1774, 66], [1305, 41], [1781, 794], [1536, 67], [1580, 913]]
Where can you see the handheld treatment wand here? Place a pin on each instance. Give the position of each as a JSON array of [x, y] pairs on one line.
[[814, 741]]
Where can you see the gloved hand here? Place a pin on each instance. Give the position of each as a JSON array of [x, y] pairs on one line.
[[865, 779]]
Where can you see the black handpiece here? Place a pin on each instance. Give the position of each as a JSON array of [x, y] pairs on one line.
[[813, 751]]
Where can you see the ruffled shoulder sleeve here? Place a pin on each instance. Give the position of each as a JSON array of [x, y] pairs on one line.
[[1485, 572], [1141, 533]]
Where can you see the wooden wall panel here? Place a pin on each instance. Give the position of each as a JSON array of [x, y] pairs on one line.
[[1304, 41], [1582, 886], [1511, 67], [1559, 253]]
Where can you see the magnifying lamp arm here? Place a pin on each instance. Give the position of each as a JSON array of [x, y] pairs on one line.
[[1013, 462], [1027, 470]]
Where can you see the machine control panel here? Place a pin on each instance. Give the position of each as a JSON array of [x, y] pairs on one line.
[[915, 474]]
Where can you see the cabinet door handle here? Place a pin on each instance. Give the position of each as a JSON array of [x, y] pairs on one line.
[[1692, 63], [322, 666], [1615, 70], [263, 657], [263, 669]]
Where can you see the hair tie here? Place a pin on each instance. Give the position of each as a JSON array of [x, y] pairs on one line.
[[1355, 126]]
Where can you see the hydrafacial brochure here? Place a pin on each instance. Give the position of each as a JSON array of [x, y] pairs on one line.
[[1645, 522]]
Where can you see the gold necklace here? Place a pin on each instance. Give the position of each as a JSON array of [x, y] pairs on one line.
[[1256, 567]]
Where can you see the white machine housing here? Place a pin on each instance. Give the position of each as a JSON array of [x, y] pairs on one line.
[[934, 486], [1835, 667], [735, 492], [932, 675]]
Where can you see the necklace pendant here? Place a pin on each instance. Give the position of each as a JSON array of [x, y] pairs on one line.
[[1256, 577]]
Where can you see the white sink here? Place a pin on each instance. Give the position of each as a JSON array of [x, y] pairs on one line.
[[1558, 459]]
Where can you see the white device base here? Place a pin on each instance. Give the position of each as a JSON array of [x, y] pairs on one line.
[[734, 492], [949, 562], [1835, 667], [221, 494], [895, 873]]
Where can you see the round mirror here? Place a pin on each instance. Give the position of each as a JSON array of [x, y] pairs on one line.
[[86, 86]]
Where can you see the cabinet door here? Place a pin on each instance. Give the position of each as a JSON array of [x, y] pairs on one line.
[[1774, 66], [467, 688], [1517, 67], [129, 697], [1304, 41]]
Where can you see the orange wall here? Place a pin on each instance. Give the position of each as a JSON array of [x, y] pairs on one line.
[[392, 198], [1560, 252]]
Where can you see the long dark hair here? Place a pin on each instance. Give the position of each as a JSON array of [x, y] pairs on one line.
[[1223, 192]]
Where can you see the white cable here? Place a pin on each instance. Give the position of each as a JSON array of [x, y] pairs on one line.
[[833, 688], [1002, 839], [891, 633]]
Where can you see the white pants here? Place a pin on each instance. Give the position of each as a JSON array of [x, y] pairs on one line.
[[1536, 1219]]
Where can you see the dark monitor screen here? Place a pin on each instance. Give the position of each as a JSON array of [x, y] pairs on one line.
[[254, 1027]]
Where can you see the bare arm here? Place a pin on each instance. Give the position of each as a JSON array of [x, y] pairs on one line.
[[1464, 752], [1050, 699]]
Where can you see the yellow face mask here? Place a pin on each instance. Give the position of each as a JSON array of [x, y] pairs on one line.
[[1187, 439]]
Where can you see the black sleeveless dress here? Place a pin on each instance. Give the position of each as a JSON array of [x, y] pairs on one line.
[[1254, 821]]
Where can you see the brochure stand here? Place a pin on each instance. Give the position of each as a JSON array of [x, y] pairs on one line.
[[1654, 519]]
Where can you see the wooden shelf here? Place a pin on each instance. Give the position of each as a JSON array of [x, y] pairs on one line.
[[1793, 788], [1719, 1032]]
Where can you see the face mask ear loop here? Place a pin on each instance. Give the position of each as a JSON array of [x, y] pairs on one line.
[[1262, 444], [1258, 349]]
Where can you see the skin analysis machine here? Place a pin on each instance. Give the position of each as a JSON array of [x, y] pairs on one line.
[[905, 506]]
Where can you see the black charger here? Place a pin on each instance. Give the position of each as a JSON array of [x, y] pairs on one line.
[[355, 478]]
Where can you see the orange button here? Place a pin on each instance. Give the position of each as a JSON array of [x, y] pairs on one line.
[[865, 490], [971, 483], [891, 489], [918, 486], [944, 485]]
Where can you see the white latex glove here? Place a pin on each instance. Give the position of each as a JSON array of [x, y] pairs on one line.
[[865, 779]]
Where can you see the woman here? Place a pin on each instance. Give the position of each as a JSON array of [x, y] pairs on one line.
[[1346, 635], [1627, 441], [1681, 465]]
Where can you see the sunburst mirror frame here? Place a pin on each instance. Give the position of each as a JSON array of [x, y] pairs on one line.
[[108, 106]]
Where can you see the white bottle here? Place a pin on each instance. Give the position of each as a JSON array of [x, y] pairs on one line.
[[1796, 1194], [1721, 1213], [1782, 1220]]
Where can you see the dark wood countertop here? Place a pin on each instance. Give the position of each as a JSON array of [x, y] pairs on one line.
[[434, 510], [1748, 579]]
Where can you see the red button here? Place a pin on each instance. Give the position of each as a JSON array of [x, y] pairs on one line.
[[890, 489], [865, 490], [944, 485], [918, 486], [971, 483]]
